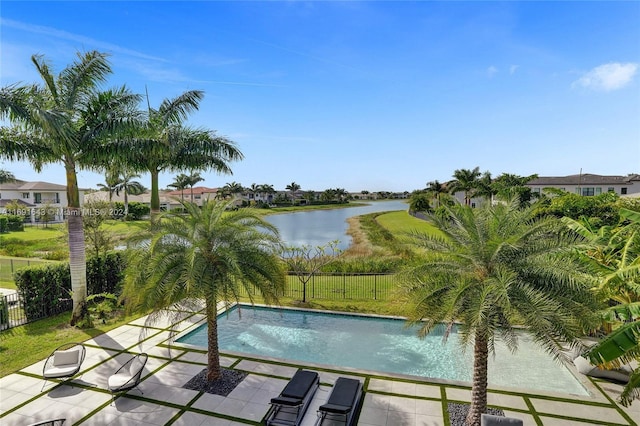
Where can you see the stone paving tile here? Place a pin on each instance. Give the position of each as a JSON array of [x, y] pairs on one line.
[[551, 421], [509, 401], [604, 414], [458, 394], [126, 411], [196, 419], [176, 395], [428, 391], [271, 369]]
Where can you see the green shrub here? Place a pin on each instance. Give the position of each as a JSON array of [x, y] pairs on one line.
[[15, 222], [4, 313], [137, 211], [47, 290], [4, 224]]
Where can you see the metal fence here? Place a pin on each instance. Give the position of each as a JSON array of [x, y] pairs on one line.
[[332, 286], [328, 286], [12, 311]]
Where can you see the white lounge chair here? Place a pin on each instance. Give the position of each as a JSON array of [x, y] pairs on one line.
[[65, 361], [128, 376]]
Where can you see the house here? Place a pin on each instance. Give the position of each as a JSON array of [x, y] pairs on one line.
[[588, 184], [37, 200], [199, 193]]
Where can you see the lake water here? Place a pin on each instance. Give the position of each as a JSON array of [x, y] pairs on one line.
[[319, 227]]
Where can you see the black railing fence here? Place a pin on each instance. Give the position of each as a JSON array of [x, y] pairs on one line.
[[328, 286]]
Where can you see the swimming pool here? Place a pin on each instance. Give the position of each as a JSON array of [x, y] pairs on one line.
[[379, 344]]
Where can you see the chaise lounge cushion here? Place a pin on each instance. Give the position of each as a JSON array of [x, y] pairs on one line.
[[299, 384], [585, 367], [491, 420], [342, 397]]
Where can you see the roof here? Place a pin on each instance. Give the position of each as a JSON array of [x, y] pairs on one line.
[[197, 190], [21, 185], [3, 203], [584, 179]]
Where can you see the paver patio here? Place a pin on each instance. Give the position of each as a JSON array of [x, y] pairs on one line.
[[388, 400]]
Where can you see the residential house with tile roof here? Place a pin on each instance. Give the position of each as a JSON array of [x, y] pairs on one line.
[[588, 184], [36, 197]]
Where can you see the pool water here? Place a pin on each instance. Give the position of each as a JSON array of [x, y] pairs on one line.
[[379, 344]]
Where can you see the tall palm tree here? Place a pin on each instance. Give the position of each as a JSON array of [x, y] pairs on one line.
[[465, 180], [207, 254], [233, 189], [180, 182], [63, 120], [293, 188], [269, 190], [127, 185], [484, 187], [6, 176], [192, 179], [495, 268], [165, 143]]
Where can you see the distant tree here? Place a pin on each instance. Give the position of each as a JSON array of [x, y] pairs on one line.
[[192, 179], [232, 189], [341, 195], [305, 261], [111, 180], [293, 188], [436, 189], [180, 182], [484, 187], [465, 180], [419, 202], [508, 186], [6, 177], [97, 238], [328, 195], [46, 213], [128, 186]]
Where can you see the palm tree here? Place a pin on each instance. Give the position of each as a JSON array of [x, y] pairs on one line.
[[493, 269], [111, 180], [232, 189], [484, 187], [464, 180], [436, 189], [63, 121], [6, 177], [127, 185], [180, 182], [293, 187], [163, 142], [269, 190], [207, 254], [192, 179]]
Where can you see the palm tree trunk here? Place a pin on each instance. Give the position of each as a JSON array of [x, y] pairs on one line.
[[155, 196], [126, 204], [213, 356], [77, 255], [479, 386]]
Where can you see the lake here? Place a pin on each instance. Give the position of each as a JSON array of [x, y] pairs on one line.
[[319, 227]]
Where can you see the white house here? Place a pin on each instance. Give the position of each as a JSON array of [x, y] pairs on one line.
[[36, 199], [588, 184]]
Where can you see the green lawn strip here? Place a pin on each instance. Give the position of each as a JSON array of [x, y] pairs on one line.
[[32, 233], [445, 407], [613, 403], [532, 411]]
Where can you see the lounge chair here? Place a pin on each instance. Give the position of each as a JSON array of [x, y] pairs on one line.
[[51, 422], [343, 402], [65, 361], [289, 407], [491, 420], [128, 375]]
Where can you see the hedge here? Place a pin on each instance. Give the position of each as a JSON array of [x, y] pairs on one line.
[[46, 290]]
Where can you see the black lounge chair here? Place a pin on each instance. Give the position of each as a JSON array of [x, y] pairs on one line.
[[289, 407], [343, 402]]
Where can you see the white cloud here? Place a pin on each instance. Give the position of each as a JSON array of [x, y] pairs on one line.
[[491, 71], [608, 77], [513, 69]]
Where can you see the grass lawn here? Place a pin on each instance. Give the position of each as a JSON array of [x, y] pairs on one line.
[[401, 222], [33, 233], [30, 343], [8, 265]]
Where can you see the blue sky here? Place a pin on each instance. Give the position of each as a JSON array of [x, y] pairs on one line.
[[364, 95]]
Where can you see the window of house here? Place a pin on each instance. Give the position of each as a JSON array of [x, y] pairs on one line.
[[598, 191], [25, 195], [588, 192], [611, 189], [536, 190], [57, 198], [37, 197], [623, 191], [197, 197]]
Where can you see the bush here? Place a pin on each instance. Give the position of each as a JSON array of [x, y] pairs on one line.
[[46, 290], [4, 313], [137, 211], [15, 222], [4, 224]]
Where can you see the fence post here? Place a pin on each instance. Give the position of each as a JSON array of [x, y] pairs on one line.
[[11, 263], [375, 287], [344, 285]]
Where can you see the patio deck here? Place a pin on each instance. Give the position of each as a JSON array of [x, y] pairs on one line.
[[389, 400]]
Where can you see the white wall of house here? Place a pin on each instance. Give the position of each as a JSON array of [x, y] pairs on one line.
[[38, 198]]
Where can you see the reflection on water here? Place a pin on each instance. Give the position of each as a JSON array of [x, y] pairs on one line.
[[319, 227]]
